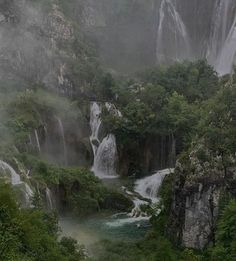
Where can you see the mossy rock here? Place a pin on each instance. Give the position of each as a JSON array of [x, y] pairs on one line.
[[117, 201]]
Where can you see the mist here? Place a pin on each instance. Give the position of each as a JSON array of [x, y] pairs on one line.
[[117, 130]]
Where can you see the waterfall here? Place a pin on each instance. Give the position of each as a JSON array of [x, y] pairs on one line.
[[45, 138], [49, 198], [172, 39], [226, 58], [28, 194], [145, 192], [16, 180], [222, 47], [105, 157], [37, 140], [219, 29], [62, 134], [148, 187], [95, 123], [105, 152]]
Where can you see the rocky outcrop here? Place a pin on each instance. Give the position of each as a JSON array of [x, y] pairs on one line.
[[200, 183], [201, 211], [36, 45]]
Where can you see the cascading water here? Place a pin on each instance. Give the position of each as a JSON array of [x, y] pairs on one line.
[[148, 188], [179, 38], [95, 123], [222, 47], [227, 56], [49, 198], [105, 158], [145, 193], [37, 140], [62, 134], [16, 180], [172, 38], [219, 29], [105, 152]]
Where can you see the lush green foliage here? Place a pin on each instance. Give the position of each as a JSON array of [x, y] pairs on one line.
[[31, 234], [184, 101], [194, 80], [23, 112], [225, 245], [162, 103], [80, 190], [218, 120]]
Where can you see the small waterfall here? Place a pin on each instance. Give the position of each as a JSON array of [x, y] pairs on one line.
[[62, 134], [16, 180], [148, 188], [105, 157], [45, 138], [49, 199], [172, 39], [37, 140], [105, 152], [95, 123], [28, 194]]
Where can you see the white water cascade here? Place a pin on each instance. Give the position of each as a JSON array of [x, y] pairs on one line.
[[219, 29], [62, 134], [105, 157], [16, 180], [222, 47], [104, 152], [227, 56], [148, 189], [37, 140], [49, 198], [95, 123], [172, 38]]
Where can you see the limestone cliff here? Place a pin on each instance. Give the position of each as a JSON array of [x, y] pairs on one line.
[[201, 183], [39, 46]]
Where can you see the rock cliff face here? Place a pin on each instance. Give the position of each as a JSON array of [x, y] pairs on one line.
[[130, 35], [36, 45], [200, 184]]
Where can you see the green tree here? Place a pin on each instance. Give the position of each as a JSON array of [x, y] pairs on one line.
[[225, 247]]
